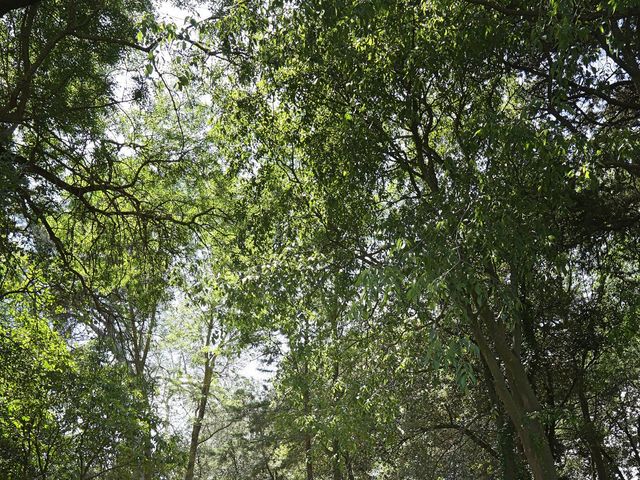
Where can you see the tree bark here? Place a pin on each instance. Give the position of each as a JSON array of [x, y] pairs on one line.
[[510, 458], [335, 461], [591, 437], [202, 405], [306, 406], [349, 464], [513, 389]]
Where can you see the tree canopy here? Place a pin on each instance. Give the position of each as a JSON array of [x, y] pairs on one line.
[[420, 218]]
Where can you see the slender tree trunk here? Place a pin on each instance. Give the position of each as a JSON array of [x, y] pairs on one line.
[[335, 461], [140, 344], [333, 318], [148, 453], [513, 389], [273, 475], [202, 405], [591, 436], [307, 441], [307, 409], [349, 463]]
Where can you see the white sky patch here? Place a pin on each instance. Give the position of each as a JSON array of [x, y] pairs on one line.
[[169, 12], [256, 369]]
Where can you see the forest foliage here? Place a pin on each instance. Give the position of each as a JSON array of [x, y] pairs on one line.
[[421, 216]]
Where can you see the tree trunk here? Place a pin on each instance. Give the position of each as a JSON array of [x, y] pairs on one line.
[[511, 463], [590, 435], [307, 444], [307, 409], [202, 405], [333, 318], [335, 461], [349, 463], [513, 389]]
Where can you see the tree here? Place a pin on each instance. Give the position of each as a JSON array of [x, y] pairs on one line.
[[457, 168], [86, 225], [424, 212]]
